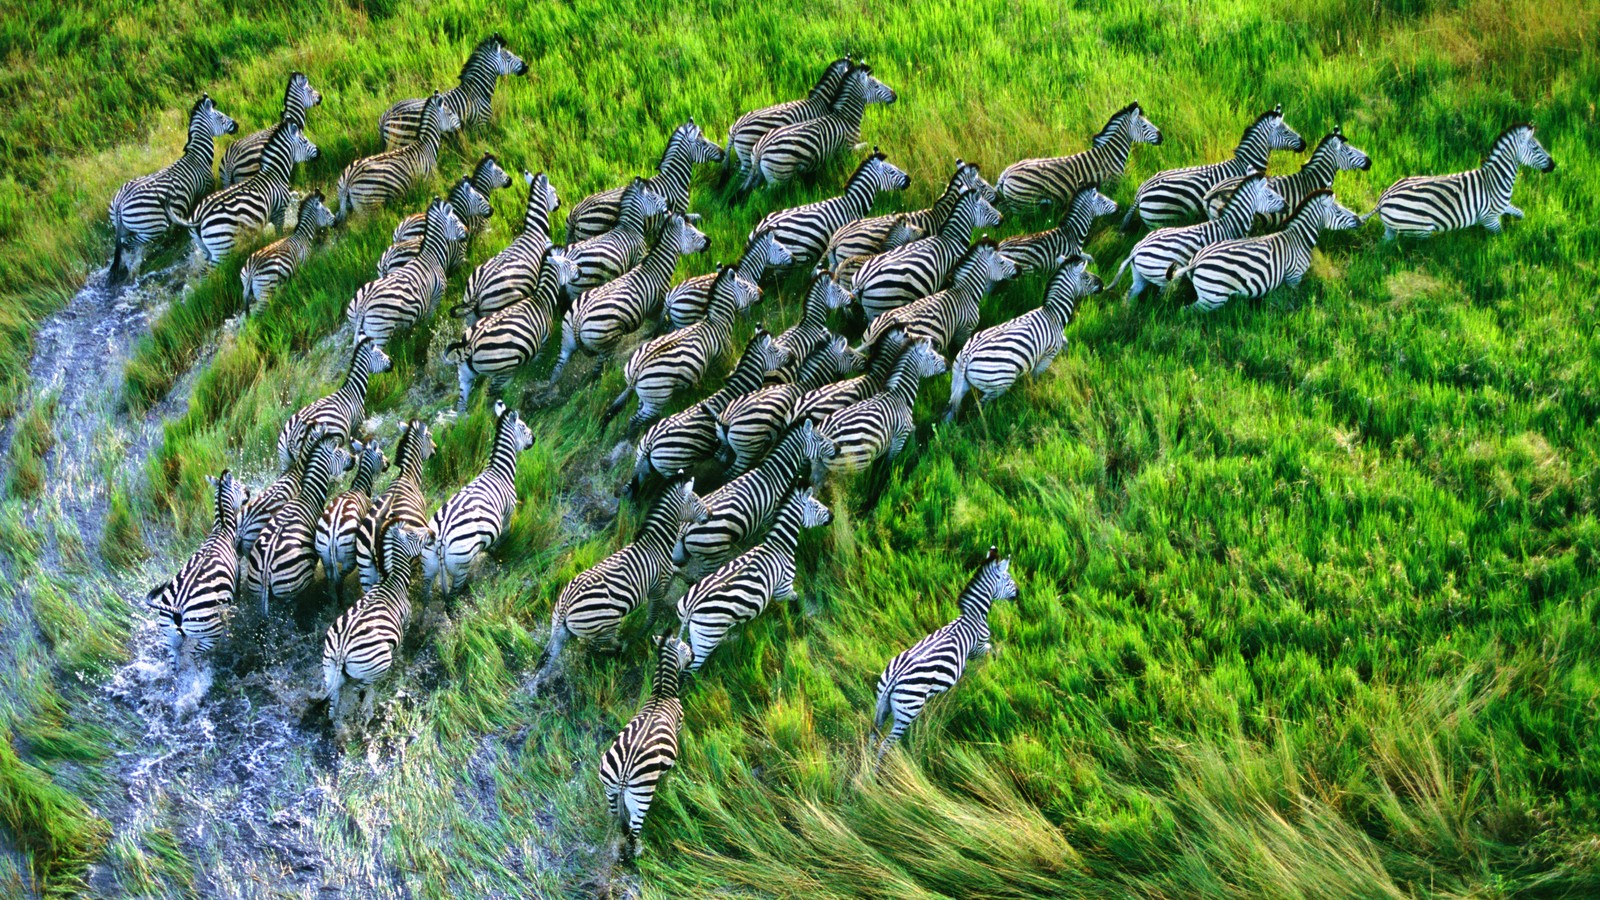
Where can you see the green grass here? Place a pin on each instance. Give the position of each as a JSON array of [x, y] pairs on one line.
[[30, 442], [1309, 585]]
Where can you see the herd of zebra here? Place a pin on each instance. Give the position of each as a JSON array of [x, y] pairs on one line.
[[796, 407]]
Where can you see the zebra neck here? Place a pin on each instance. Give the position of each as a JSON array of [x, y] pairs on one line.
[[970, 283], [719, 315], [754, 261], [817, 370], [660, 531], [434, 247], [314, 488], [411, 467], [785, 533], [1315, 175], [975, 608], [814, 311], [672, 177], [1111, 157], [942, 208], [503, 459], [1252, 151], [1500, 171], [852, 105], [661, 259], [365, 475], [226, 519], [294, 110], [277, 162], [201, 147], [666, 683], [906, 386], [355, 380], [1237, 215], [745, 377], [471, 95], [305, 228], [860, 192], [1302, 229]]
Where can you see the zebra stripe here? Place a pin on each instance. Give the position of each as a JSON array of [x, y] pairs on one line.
[[811, 332], [513, 273], [509, 338], [275, 263], [1421, 205], [1031, 182], [217, 221], [372, 181], [687, 301], [472, 520], [1252, 266], [284, 559], [470, 102], [335, 537], [193, 606], [1332, 155], [949, 317], [805, 230], [866, 238], [749, 128], [686, 147], [879, 426], [784, 153], [399, 299], [1038, 252], [469, 198], [402, 503], [751, 424], [338, 413], [632, 767], [919, 268], [604, 257], [242, 159], [268, 502], [1178, 195], [817, 404], [362, 643], [1159, 251]]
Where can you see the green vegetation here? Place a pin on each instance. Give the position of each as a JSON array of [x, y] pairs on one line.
[[32, 439], [1309, 585]]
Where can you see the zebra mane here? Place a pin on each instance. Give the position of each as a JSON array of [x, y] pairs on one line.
[[1305, 204], [1113, 124], [488, 159], [679, 137], [1274, 113], [288, 89], [490, 43], [1502, 137], [195, 109]]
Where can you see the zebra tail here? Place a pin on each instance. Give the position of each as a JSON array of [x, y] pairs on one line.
[[1128, 222], [1175, 272], [880, 714], [455, 351], [958, 390], [615, 408], [332, 681], [1363, 218], [1118, 277]]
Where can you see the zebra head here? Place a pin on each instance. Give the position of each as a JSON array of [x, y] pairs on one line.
[[509, 422], [370, 461], [639, 202], [314, 209], [468, 201], [967, 176], [210, 119], [813, 513], [1345, 155], [376, 360], [1526, 148], [925, 360], [504, 61], [444, 119], [300, 147], [826, 291], [330, 453], [765, 246], [1257, 192], [231, 496], [1090, 204], [816, 447], [413, 542], [1129, 120], [991, 582], [672, 659], [765, 352], [1278, 133], [1336, 217], [902, 232], [984, 213], [686, 506], [684, 236], [415, 440], [558, 260], [541, 190], [883, 175], [1071, 282], [875, 90], [300, 92], [985, 260], [443, 221], [488, 176], [688, 140]]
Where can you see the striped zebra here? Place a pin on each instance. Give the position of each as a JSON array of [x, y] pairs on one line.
[[749, 425], [1157, 252], [632, 767], [919, 268], [363, 641], [283, 560], [879, 426], [1038, 252], [470, 102], [686, 302], [786, 152], [486, 178], [399, 299], [148, 206], [217, 221], [743, 587], [194, 604], [1253, 266], [805, 230], [474, 518], [268, 502], [947, 318], [402, 503], [466, 203], [593, 605], [812, 331], [1421, 205], [749, 128], [867, 237], [1333, 154], [243, 157], [605, 257], [743, 508], [685, 439], [275, 263], [335, 536], [338, 413], [1178, 195], [372, 181], [604, 315], [687, 147], [513, 273], [1031, 182], [820, 402], [507, 339], [996, 357], [936, 662]]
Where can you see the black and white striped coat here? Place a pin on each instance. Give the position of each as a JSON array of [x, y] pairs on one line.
[[606, 256], [1038, 252], [1175, 196], [268, 502], [1159, 251], [283, 560], [1421, 205], [804, 337], [219, 219], [818, 403], [372, 181], [275, 263], [686, 147], [640, 756], [243, 157], [1333, 154], [513, 273], [193, 606], [401, 503], [363, 641], [336, 414], [403, 296], [474, 518], [1252, 266], [786, 152], [507, 339], [805, 230], [470, 102], [996, 357], [947, 318], [1030, 182], [743, 587], [147, 206], [486, 178], [335, 537], [937, 662], [465, 202], [879, 426], [919, 268], [750, 424], [753, 125], [686, 302], [855, 243]]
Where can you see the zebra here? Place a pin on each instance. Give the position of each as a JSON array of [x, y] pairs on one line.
[[742, 508], [194, 604], [335, 536], [879, 426], [1039, 251], [996, 357], [919, 268], [397, 300], [1252, 266], [949, 317], [785, 152], [820, 402], [1421, 205], [147, 206], [243, 157], [513, 273], [685, 439], [402, 503], [470, 102], [372, 181], [1160, 250], [474, 518], [220, 218], [594, 603], [811, 332], [268, 502], [1333, 154], [509, 338], [805, 230], [466, 203], [867, 237], [1178, 195], [749, 128], [1032, 182], [362, 642], [283, 560], [647, 747], [936, 662], [602, 316], [604, 257], [750, 424], [338, 413], [273, 264], [686, 302], [687, 147], [743, 587]]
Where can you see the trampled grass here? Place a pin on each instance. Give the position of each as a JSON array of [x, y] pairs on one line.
[[1309, 584]]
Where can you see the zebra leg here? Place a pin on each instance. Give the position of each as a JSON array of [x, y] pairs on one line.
[[958, 391], [1136, 288], [616, 408], [1491, 223], [1512, 211], [641, 417], [1045, 362], [551, 656], [465, 377]]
